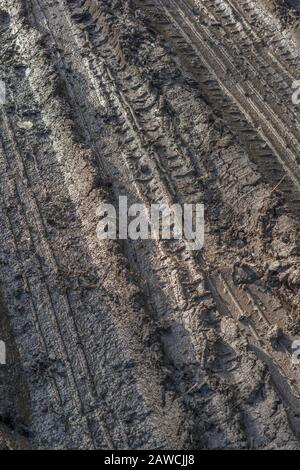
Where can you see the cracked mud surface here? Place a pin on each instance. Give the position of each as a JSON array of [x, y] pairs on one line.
[[145, 345]]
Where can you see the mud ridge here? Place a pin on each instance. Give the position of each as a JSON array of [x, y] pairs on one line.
[[143, 344]]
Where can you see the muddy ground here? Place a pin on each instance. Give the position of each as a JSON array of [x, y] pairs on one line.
[[143, 344]]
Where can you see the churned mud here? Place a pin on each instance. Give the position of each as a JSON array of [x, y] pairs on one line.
[[143, 344]]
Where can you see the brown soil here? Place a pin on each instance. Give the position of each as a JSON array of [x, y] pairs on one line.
[[143, 344]]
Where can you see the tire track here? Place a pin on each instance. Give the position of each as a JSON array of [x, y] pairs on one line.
[[120, 438], [264, 65], [261, 152], [54, 315], [92, 7], [259, 110], [137, 145]]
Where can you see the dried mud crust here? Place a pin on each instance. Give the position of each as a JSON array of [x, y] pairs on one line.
[[144, 344]]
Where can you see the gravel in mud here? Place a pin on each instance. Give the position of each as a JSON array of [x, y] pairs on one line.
[[144, 344]]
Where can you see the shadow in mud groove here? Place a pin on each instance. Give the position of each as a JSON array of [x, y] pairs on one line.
[[290, 400], [14, 396]]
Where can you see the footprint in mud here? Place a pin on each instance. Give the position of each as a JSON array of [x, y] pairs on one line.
[[222, 357]]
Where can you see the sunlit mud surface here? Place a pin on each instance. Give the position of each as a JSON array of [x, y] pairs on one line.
[[143, 344]]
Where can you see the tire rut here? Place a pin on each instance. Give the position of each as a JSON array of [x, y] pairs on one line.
[[179, 335]]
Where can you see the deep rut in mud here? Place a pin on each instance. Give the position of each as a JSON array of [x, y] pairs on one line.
[[144, 344]]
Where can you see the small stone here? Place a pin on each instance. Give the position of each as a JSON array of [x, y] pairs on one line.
[[25, 125], [275, 267]]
